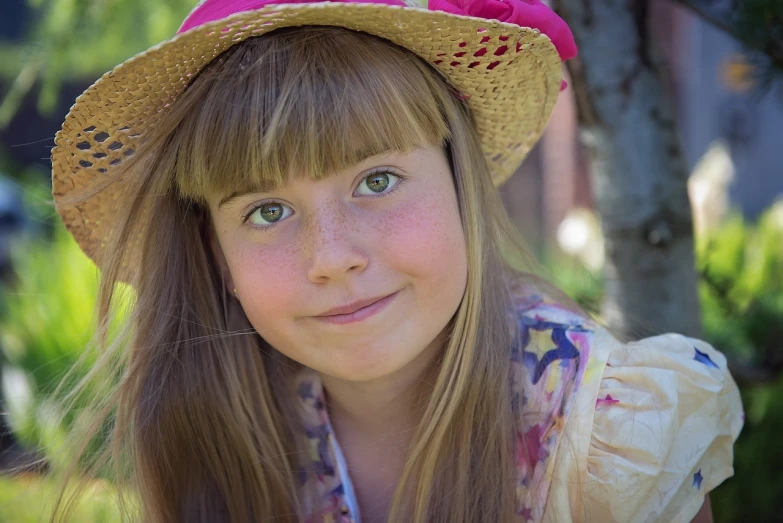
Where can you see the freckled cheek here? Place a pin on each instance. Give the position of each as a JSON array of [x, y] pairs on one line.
[[267, 280], [425, 237]]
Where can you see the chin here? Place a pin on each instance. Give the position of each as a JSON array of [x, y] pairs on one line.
[[364, 364]]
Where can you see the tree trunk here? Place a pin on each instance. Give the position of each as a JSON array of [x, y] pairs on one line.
[[639, 173]]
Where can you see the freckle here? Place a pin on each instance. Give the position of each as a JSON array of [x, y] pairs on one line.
[[290, 250]]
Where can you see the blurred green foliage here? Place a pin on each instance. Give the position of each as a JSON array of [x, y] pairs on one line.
[[740, 269], [45, 327], [758, 24], [570, 275], [754, 494], [80, 40], [741, 290], [27, 499]]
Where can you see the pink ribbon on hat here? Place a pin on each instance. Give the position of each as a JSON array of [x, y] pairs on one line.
[[211, 10], [524, 13]]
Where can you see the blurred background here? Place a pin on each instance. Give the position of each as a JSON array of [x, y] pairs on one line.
[[654, 199]]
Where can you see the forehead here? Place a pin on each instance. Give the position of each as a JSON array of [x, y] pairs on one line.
[[304, 107]]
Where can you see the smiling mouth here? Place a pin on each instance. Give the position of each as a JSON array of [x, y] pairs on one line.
[[357, 311]]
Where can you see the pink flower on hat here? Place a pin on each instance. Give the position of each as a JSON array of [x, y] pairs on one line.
[[524, 13]]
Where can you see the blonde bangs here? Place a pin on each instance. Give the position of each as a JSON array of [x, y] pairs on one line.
[[306, 101]]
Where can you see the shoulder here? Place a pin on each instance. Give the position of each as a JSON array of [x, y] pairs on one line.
[[615, 431], [556, 356], [555, 351]]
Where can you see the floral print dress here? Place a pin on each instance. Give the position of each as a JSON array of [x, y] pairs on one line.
[[635, 432]]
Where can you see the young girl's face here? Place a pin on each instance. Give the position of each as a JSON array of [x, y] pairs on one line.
[[309, 260]]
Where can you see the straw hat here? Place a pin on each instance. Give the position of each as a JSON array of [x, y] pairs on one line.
[[502, 56]]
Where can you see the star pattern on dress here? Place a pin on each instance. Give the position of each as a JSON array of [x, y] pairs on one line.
[[697, 479], [526, 513], [703, 357], [563, 349]]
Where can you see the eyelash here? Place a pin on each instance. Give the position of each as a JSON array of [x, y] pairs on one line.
[[400, 180]]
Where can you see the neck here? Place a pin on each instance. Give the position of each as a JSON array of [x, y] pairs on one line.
[[385, 408]]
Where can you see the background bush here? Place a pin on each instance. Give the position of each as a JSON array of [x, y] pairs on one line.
[[46, 325]]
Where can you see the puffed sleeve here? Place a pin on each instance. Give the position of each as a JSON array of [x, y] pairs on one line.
[[651, 432]]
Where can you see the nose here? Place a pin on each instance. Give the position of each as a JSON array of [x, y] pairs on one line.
[[335, 249]]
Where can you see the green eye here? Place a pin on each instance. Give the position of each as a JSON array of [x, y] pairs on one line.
[[378, 183], [271, 212], [268, 213]]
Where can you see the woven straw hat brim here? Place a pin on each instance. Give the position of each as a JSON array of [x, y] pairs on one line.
[[511, 89]]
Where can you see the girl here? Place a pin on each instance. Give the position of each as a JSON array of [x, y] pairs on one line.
[[328, 320]]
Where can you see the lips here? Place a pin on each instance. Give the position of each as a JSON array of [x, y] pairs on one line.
[[357, 311], [352, 307]]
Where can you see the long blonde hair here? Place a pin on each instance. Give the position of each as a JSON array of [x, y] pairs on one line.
[[200, 411]]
